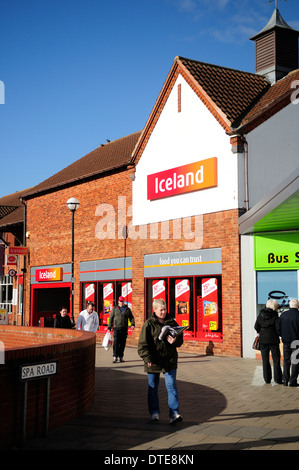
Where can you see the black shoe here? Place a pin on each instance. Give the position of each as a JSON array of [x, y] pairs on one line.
[[294, 385], [175, 419], [285, 384]]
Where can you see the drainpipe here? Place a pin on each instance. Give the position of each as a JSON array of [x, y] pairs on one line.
[[246, 173], [240, 145], [24, 262]]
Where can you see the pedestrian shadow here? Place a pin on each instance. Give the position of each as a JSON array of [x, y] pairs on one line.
[[120, 418], [127, 392]]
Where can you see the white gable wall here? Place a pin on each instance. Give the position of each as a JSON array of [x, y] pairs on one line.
[[178, 139], [273, 152]]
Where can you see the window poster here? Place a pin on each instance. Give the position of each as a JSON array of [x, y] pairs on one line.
[[90, 293], [210, 304], [159, 290], [108, 292], [126, 292], [182, 302]]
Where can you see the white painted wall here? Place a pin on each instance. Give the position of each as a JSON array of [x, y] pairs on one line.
[[178, 139], [248, 296], [273, 152]]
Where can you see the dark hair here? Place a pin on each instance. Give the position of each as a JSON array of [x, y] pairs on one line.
[[89, 302]]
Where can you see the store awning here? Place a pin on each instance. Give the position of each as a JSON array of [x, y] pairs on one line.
[[278, 211]]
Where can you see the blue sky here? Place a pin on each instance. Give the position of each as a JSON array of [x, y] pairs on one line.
[[78, 72]]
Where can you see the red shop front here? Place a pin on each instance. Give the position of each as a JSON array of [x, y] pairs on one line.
[[191, 285], [50, 290], [102, 282]]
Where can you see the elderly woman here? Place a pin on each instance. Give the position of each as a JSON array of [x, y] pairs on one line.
[[266, 325], [160, 355]]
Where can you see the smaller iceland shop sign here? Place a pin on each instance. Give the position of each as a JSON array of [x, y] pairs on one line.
[[49, 274]]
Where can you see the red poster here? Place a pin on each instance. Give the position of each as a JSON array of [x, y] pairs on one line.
[[126, 292], [108, 301], [159, 290], [210, 304], [182, 302], [90, 293]]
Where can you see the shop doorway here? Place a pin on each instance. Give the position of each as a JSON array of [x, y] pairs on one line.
[[46, 303]]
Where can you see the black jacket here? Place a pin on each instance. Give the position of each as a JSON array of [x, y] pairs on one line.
[[288, 325], [118, 320], [162, 355], [62, 322], [266, 325]]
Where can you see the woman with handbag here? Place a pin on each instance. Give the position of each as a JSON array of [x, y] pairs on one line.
[[266, 326]]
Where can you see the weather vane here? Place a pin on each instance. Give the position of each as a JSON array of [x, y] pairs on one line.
[[271, 1]]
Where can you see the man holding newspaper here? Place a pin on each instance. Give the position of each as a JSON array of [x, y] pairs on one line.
[[158, 342]]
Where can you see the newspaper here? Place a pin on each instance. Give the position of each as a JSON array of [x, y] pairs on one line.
[[172, 331]]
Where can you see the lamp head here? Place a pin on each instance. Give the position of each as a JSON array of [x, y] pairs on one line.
[[73, 204]]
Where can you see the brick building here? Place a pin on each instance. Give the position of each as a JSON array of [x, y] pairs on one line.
[[11, 269], [161, 210]]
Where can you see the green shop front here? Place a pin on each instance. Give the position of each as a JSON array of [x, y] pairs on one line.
[[269, 234]]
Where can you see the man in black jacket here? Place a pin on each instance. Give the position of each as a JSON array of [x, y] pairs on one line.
[[118, 320], [288, 330], [160, 355]]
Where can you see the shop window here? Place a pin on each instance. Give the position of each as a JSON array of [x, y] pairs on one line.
[[209, 308], [6, 293], [181, 295], [104, 294], [279, 285], [195, 302]]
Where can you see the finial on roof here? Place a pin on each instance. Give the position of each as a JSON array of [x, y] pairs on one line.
[[276, 48], [271, 1]]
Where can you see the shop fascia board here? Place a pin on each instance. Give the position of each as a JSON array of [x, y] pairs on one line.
[[288, 188]]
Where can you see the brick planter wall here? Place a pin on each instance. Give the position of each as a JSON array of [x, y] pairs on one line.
[[71, 390]]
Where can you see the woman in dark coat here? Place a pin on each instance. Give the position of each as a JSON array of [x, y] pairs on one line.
[[62, 319], [266, 325]]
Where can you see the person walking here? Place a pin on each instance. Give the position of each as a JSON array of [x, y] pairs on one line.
[[118, 320], [160, 356], [288, 329], [62, 319], [266, 325], [88, 319]]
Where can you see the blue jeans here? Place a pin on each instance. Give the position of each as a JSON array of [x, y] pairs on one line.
[[153, 398]]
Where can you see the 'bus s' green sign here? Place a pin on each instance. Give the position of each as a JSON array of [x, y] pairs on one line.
[[276, 251]]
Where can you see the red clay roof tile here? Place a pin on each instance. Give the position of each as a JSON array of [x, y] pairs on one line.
[[282, 89], [233, 91], [113, 155]]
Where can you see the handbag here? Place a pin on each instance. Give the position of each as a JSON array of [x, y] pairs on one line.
[[107, 341], [256, 343]]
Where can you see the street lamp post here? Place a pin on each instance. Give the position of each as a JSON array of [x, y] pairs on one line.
[[72, 205]]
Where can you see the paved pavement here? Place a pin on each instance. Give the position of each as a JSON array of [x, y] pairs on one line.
[[224, 403]]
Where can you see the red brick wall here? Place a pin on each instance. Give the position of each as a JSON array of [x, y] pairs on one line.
[[49, 224], [71, 391]]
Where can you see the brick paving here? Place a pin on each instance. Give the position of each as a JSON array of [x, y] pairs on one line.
[[224, 403]]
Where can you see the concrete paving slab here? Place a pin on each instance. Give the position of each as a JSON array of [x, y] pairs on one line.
[[224, 402]]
